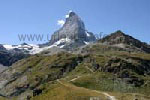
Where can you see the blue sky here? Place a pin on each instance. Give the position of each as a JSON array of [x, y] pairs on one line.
[[41, 16]]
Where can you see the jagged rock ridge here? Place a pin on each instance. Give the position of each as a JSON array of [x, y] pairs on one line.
[[122, 40]]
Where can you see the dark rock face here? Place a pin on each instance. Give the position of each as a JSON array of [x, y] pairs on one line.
[[126, 70], [7, 58], [73, 29], [2, 48], [37, 92], [118, 65], [120, 38]]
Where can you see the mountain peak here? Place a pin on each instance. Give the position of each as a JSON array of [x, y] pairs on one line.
[[74, 30], [24, 43], [119, 32], [73, 18], [72, 14]]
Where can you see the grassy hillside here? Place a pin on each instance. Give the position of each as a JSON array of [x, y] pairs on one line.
[[100, 71]]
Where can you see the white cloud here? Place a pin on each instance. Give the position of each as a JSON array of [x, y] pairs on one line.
[[60, 22], [67, 16]]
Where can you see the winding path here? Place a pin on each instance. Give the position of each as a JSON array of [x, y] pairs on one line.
[[106, 94]]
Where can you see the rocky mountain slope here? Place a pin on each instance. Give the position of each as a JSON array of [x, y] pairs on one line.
[[122, 40]]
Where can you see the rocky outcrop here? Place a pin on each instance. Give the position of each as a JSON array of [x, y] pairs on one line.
[[2, 68]]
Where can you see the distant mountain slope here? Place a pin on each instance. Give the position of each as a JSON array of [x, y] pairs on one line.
[[122, 40]]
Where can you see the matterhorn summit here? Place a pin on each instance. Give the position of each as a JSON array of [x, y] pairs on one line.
[[73, 31]]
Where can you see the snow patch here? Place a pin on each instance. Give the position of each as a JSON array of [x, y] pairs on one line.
[[59, 44], [62, 41], [8, 47], [88, 34], [86, 43]]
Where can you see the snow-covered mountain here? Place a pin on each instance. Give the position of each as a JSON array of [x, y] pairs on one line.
[[34, 49], [26, 48]]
